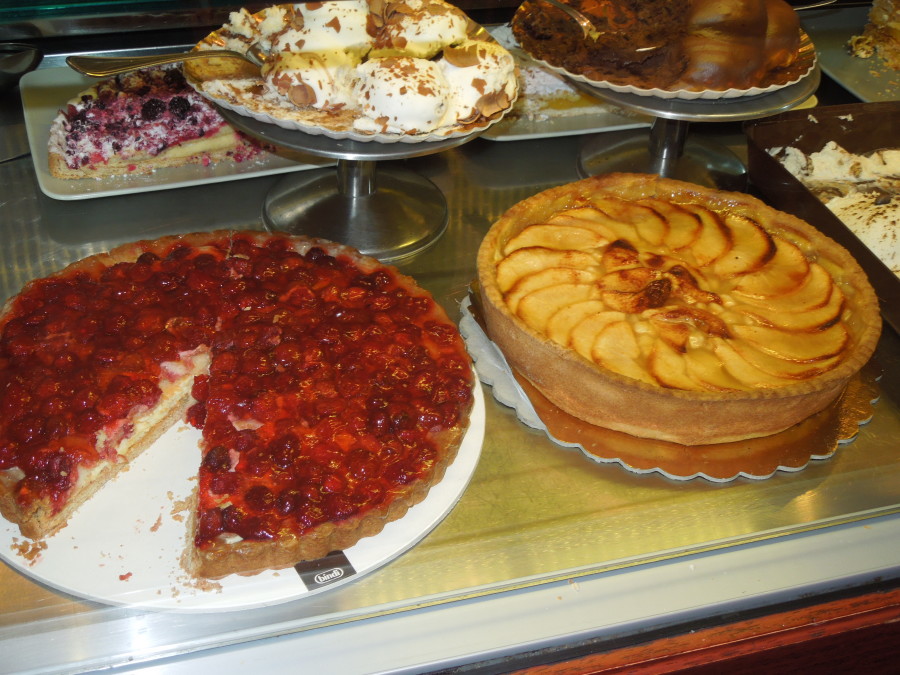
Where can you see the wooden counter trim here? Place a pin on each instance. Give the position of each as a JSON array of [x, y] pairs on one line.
[[859, 634]]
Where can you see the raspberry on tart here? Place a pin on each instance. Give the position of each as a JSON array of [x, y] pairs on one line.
[[138, 122], [681, 313], [362, 68], [332, 392]]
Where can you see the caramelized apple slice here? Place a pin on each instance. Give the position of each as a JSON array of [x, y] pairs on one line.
[[620, 255], [610, 227], [617, 349], [552, 276], [584, 334], [667, 367], [814, 291], [801, 347], [752, 247], [674, 333], [707, 369], [742, 370], [799, 321], [686, 286], [560, 237], [526, 261], [714, 239], [790, 370], [643, 220], [654, 294], [560, 325], [784, 273], [629, 279], [684, 226], [537, 307], [586, 217]]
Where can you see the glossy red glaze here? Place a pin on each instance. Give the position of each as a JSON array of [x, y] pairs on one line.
[[325, 387]]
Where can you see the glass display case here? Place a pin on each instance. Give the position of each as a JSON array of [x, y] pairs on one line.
[[544, 546]]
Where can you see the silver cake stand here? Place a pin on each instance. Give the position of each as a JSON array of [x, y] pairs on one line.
[[668, 150], [388, 213]]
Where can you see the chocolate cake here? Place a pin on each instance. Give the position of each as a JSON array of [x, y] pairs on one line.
[[671, 45], [639, 41]]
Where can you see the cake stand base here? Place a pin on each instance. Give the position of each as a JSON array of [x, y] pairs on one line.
[[389, 214], [689, 159]]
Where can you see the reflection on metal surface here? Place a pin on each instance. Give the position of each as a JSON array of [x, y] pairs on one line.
[[689, 159], [389, 214]]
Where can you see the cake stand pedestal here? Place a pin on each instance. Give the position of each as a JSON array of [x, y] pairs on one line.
[[388, 213], [668, 151]]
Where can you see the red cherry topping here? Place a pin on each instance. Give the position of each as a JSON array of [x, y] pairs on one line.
[[325, 387]]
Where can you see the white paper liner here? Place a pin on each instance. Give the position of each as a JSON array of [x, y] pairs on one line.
[[315, 130]]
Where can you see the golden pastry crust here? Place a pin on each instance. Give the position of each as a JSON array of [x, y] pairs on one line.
[[727, 410]]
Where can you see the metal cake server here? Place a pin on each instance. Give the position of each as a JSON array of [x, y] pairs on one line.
[[103, 66]]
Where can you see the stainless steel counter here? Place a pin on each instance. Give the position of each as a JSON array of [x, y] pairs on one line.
[[545, 547]]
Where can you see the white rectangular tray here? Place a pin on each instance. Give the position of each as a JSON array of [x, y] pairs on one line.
[[46, 91]]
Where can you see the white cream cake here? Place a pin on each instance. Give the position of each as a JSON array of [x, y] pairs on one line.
[[863, 191], [481, 76], [367, 66]]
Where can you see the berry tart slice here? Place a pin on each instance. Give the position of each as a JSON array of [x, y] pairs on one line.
[[139, 122]]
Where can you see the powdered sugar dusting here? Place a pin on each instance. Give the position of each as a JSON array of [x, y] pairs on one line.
[[363, 68]]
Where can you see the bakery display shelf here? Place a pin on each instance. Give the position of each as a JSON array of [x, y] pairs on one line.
[[532, 515]]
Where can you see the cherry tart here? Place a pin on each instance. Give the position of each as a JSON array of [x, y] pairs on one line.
[[332, 392], [671, 311]]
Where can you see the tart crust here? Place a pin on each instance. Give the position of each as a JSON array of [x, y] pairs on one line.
[[608, 399]]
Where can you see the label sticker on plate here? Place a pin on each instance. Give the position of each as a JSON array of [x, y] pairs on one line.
[[324, 571]]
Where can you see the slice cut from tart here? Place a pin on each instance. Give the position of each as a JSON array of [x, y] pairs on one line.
[[690, 315], [332, 392], [138, 122]]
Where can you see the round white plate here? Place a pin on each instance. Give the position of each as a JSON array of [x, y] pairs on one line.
[[125, 545]]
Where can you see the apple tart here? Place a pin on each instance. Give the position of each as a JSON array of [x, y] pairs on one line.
[[676, 312]]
